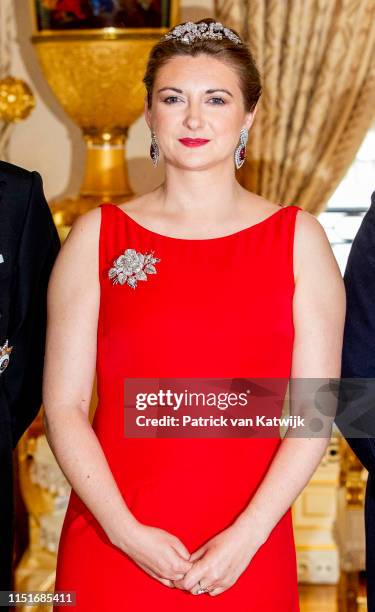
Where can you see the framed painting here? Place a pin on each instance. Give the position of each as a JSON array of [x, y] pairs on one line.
[[72, 15]]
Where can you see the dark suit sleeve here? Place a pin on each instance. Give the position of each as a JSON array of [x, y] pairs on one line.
[[358, 357], [38, 248]]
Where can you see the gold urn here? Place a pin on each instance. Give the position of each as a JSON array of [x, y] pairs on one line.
[[93, 54]]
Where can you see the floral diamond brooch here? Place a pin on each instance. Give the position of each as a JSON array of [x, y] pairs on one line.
[[131, 267]]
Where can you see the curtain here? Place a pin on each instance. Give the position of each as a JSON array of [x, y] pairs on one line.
[[317, 63]]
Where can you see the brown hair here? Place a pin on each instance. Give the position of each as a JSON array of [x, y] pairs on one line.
[[236, 55]]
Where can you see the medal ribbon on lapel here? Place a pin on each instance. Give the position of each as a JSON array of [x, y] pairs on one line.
[[5, 351]]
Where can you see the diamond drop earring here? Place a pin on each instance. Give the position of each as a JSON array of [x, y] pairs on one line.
[[240, 152], [154, 149]]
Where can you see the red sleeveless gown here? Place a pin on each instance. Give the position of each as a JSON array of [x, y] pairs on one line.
[[216, 307]]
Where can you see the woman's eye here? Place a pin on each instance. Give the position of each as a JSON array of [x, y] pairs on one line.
[[170, 98], [221, 100]]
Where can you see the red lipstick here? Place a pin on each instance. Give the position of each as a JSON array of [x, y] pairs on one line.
[[193, 142]]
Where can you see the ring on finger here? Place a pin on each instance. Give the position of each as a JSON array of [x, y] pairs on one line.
[[202, 589]]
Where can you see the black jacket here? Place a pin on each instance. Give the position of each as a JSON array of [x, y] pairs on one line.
[[29, 244], [358, 361]]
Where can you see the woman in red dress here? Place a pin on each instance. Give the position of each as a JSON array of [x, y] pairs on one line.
[[199, 278]]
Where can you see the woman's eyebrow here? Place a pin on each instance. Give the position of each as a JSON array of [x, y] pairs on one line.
[[208, 91]]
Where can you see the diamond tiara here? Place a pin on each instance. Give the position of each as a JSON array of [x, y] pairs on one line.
[[190, 31]]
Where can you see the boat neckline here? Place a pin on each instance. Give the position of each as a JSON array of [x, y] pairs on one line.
[[213, 239]]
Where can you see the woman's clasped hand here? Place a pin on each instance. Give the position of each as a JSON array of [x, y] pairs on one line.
[[219, 563], [214, 567]]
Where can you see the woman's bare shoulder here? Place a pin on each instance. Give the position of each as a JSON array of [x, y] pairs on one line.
[[86, 226], [309, 232], [77, 260], [312, 250]]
